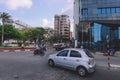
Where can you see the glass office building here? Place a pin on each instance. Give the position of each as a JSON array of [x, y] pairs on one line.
[[104, 19]]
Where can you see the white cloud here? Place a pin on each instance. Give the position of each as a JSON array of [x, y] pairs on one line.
[[68, 9], [45, 22], [14, 4], [48, 23]]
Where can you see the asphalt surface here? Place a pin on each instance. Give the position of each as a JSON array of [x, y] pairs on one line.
[[26, 66]]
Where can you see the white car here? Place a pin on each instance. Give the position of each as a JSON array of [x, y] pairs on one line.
[[80, 60]]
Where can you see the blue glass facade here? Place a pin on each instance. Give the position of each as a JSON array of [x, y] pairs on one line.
[[104, 17], [119, 32], [96, 30], [99, 33]]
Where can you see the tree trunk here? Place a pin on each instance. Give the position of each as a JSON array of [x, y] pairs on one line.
[[2, 37]]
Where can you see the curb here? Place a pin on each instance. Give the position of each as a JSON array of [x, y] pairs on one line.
[[15, 49], [18, 49]]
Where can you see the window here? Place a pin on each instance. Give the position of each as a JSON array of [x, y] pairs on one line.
[[108, 10], [63, 53], [84, 11], [88, 53], [103, 10], [117, 10], [75, 54], [99, 11], [112, 10]]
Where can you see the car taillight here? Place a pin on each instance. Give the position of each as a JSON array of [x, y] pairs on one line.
[[89, 61]]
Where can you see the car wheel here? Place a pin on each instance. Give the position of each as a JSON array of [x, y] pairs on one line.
[[51, 63], [82, 71]]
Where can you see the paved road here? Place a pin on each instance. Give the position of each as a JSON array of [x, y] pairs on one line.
[[25, 66]]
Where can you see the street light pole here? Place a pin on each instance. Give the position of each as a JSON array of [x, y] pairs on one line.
[[82, 37]]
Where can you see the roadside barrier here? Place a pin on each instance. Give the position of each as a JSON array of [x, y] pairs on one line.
[[94, 51], [108, 51]]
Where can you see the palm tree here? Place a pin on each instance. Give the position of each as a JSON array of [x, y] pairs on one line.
[[4, 17]]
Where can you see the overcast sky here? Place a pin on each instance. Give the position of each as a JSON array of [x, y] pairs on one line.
[[37, 12]]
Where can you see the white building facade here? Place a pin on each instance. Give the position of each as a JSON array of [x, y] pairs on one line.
[[62, 25]]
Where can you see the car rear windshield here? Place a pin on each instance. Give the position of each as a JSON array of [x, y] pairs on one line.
[[89, 53]]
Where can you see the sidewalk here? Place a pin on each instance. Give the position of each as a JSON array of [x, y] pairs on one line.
[[100, 53]]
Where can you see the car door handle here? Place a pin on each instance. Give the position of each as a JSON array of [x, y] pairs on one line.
[[64, 58], [77, 60]]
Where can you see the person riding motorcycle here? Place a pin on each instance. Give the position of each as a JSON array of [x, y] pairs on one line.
[[39, 50]]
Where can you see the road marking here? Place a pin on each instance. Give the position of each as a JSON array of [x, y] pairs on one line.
[[27, 50], [116, 66], [6, 50], [16, 50]]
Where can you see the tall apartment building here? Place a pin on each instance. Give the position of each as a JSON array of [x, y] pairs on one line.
[[56, 24], [104, 19], [62, 25]]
